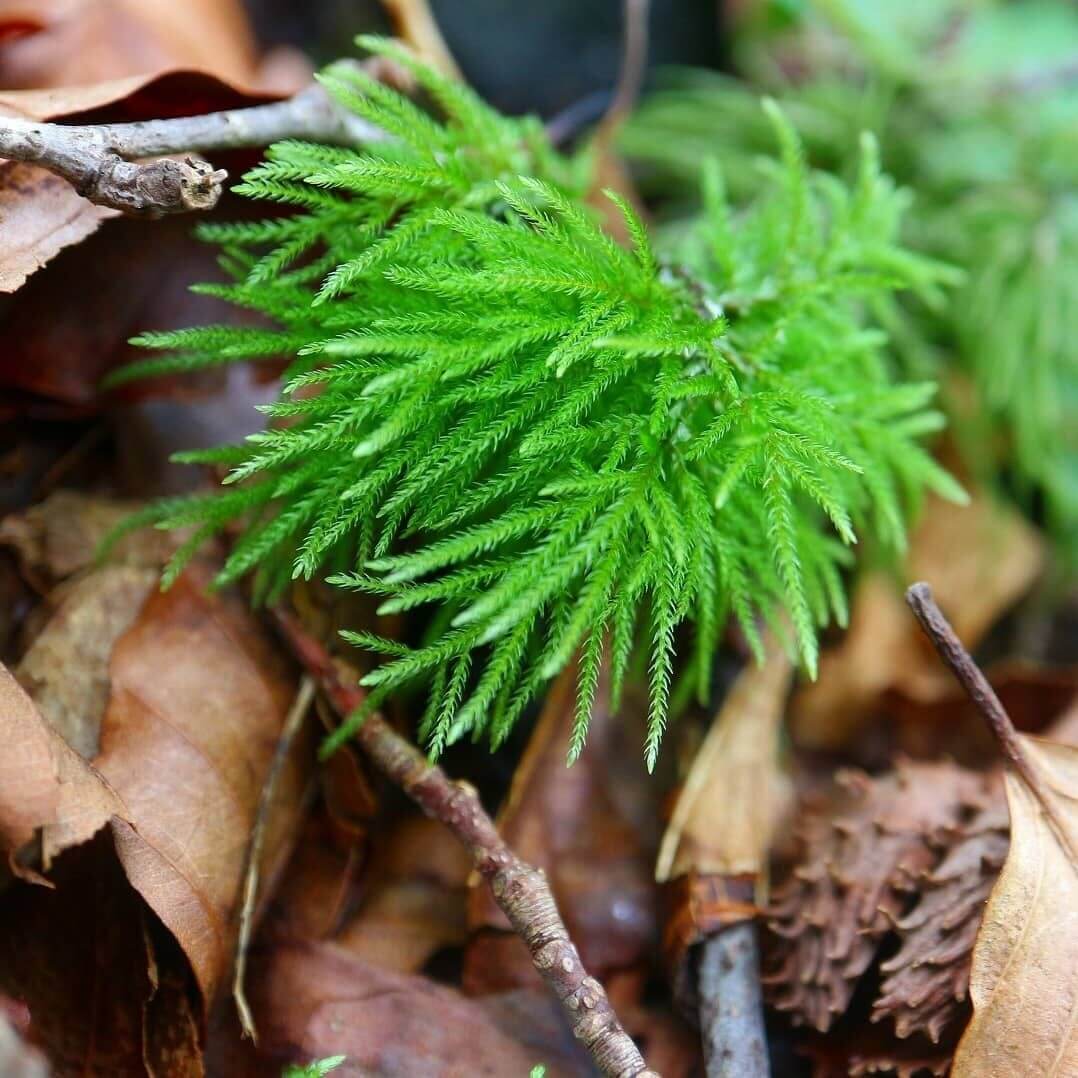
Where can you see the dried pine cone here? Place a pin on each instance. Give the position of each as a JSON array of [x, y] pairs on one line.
[[859, 866], [927, 981]]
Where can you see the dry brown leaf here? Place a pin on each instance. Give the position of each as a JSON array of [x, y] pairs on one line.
[[569, 822], [140, 59], [416, 899], [198, 697], [979, 559], [728, 805], [316, 999], [85, 41], [65, 669], [101, 995], [1024, 982], [44, 783], [41, 214], [926, 982], [61, 536], [712, 860]]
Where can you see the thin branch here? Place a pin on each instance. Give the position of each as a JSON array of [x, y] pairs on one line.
[[519, 889], [938, 629], [292, 724], [634, 65], [101, 160], [731, 1005]]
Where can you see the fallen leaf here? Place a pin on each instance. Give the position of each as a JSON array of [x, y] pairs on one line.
[[416, 897], [62, 534], [44, 784], [323, 883], [727, 807], [1024, 981], [926, 981], [41, 214], [112, 60], [980, 558], [316, 999], [65, 669], [125, 284], [83, 961], [198, 697], [76, 42], [1032, 694], [569, 822]]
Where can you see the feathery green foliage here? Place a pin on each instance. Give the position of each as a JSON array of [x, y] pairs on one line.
[[971, 118], [559, 445], [318, 1069]]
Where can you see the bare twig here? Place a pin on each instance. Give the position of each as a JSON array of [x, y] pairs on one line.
[[731, 1005], [519, 889], [634, 64], [101, 160], [938, 629], [292, 723]]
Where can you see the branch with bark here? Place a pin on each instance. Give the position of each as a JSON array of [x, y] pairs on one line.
[[106, 163], [519, 889]]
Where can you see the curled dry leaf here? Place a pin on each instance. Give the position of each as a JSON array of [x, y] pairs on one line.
[[1024, 981], [570, 822], [101, 993], [44, 784], [727, 807], [982, 558], [79, 42], [65, 669], [61, 535], [198, 697], [862, 857], [713, 857]]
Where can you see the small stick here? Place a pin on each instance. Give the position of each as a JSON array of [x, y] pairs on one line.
[[292, 723], [938, 629], [519, 889], [634, 65], [98, 160], [731, 1005]]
